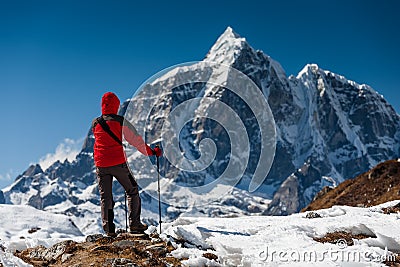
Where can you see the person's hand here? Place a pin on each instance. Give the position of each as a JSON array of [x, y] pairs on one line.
[[157, 151]]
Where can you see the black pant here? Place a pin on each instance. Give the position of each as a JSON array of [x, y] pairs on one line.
[[104, 178]]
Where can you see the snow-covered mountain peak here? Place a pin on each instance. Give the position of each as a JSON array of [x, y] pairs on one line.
[[227, 47], [313, 70], [313, 74], [309, 69], [33, 170], [233, 50], [229, 33]]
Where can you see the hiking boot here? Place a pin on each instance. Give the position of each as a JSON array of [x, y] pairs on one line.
[[111, 234], [140, 227]]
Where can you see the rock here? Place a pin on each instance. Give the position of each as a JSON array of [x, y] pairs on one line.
[[159, 251], [33, 170], [285, 200], [96, 250], [37, 253], [33, 230], [57, 250], [93, 238], [52, 253], [313, 215], [323, 192], [117, 262], [65, 257], [156, 240], [101, 248], [124, 244], [155, 246], [210, 256]]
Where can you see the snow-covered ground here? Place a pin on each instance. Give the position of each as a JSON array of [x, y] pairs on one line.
[[276, 241], [24, 226], [239, 241]]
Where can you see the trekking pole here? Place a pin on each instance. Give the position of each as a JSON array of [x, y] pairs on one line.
[[126, 216], [159, 194]]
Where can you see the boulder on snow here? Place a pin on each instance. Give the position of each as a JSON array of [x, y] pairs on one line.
[[313, 215]]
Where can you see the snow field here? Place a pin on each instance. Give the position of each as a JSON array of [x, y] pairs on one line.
[[46, 229], [287, 240], [239, 241]]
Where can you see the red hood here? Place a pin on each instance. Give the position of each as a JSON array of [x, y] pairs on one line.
[[109, 103]]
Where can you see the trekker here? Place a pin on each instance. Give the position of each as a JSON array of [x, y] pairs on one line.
[[110, 162]]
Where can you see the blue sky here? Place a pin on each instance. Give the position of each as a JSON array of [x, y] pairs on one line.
[[58, 57]]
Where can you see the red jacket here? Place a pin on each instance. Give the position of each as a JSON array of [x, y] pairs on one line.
[[107, 151]]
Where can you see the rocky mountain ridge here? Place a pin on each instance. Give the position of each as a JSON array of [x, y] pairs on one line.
[[379, 185]]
